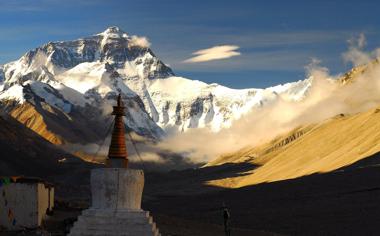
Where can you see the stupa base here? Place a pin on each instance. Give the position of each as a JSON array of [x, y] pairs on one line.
[[116, 206], [114, 222]]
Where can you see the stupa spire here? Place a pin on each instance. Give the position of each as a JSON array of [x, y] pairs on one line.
[[117, 154]]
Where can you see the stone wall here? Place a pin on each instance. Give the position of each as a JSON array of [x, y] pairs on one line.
[[24, 205]]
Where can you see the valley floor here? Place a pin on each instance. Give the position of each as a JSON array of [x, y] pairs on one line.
[[342, 202]]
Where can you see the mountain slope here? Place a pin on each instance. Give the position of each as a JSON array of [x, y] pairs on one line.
[[80, 79], [23, 152], [78, 76], [316, 148]]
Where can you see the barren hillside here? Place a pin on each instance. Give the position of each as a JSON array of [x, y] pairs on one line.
[[317, 148]]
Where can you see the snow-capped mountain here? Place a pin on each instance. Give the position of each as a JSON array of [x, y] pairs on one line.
[[80, 79], [194, 104]]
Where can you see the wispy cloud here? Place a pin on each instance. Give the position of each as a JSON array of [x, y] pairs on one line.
[[280, 59], [214, 53], [356, 54], [139, 41]]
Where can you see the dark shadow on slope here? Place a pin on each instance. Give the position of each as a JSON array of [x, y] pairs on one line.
[[23, 152], [76, 129], [343, 202], [192, 181]]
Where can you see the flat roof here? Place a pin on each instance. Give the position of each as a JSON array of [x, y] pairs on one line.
[[26, 180]]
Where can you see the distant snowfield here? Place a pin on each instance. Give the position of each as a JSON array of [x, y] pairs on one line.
[[83, 77], [215, 106]]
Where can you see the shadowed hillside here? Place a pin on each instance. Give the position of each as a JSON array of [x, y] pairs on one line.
[[24, 152]]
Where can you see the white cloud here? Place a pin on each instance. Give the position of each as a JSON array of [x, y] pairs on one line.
[[362, 41], [139, 41], [356, 55], [214, 53]]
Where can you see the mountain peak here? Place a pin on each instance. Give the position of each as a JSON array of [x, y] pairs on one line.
[[113, 31]]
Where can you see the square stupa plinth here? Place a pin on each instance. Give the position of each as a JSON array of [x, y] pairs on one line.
[[116, 205]]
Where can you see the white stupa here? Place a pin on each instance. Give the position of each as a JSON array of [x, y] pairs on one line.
[[116, 194]]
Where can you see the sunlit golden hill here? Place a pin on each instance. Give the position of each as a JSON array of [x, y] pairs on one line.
[[317, 148]]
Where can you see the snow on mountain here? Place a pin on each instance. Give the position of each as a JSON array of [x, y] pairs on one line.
[[195, 104], [89, 72], [295, 91], [13, 93], [48, 94], [1, 78]]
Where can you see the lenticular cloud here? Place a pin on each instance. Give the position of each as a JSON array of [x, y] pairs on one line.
[[214, 53]]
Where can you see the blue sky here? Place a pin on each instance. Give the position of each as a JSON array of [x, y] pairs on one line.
[[275, 39]]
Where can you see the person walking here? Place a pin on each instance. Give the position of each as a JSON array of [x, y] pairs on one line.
[[226, 217]]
